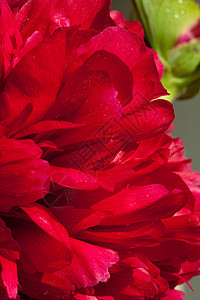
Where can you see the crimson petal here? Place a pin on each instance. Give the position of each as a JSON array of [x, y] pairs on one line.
[[77, 179], [34, 84], [147, 119], [45, 220], [24, 176], [89, 13], [10, 36], [9, 276], [174, 295], [133, 53], [9, 253], [89, 264]]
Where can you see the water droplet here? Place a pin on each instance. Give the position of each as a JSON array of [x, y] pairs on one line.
[[182, 11], [180, 1], [167, 10], [176, 16]]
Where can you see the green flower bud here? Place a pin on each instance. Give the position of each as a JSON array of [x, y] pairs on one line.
[[172, 28]]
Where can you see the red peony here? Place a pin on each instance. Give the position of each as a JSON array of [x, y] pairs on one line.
[[97, 202]]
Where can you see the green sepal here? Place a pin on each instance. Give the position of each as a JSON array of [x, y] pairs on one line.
[[185, 58], [165, 21]]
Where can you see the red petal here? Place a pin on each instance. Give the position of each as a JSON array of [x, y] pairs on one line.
[[76, 220], [118, 18], [4, 295], [133, 53], [42, 16], [159, 65], [45, 220], [85, 297], [24, 176], [10, 36], [147, 119], [40, 251], [183, 227], [45, 286], [89, 264], [33, 84], [46, 127], [15, 124], [150, 202], [135, 27], [134, 198], [173, 181], [78, 101], [9, 248], [149, 146], [89, 13], [9, 253], [78, 179], [47, 16], [124, 237], [32, 42], [1, 65], [174, 295], [143, 284], [9, 276]]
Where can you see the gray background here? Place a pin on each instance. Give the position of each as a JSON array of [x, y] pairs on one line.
[[187, 122]]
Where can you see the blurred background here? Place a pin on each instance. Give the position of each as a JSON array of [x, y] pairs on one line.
[[187, 122]]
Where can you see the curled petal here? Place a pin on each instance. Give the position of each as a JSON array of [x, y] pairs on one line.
[[24, 176], [133, 53]]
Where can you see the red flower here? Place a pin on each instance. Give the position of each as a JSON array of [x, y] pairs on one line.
[[76, 112]]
